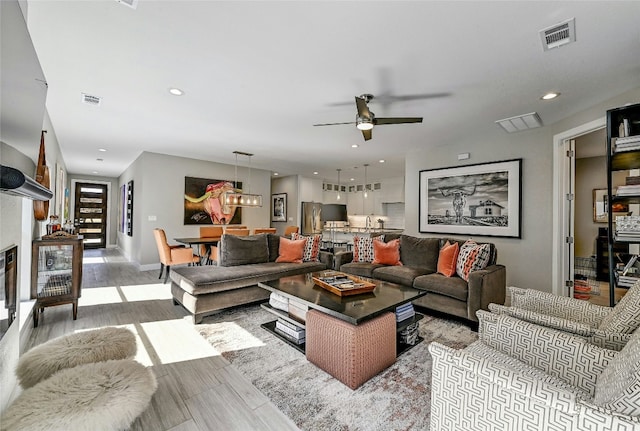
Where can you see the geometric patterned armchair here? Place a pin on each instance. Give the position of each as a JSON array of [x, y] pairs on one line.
[[606, 327], [522, 376]]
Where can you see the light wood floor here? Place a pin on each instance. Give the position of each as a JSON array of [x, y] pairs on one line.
[[198, 390], [603, 298]]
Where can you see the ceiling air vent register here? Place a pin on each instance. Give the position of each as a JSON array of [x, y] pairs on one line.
[[558, 35]]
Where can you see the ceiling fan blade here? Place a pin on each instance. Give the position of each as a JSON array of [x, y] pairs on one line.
[[407, 97], [334, 124], [367, 134], [363, 109], [397, 120]]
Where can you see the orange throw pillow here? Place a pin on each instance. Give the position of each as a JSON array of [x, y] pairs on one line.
[[387, 253], [447, 259], [291, 251]]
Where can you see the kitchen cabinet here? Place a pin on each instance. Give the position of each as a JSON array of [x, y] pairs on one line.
[[56, 273]]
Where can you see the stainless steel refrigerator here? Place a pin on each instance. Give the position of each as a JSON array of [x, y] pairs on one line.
[[311, 218]]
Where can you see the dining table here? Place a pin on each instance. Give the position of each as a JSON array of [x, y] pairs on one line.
[[195, 243]]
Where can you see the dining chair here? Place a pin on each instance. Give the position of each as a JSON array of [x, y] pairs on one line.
[[258, 230], [172, 254], [237, 232], [208, 232], [289, 230]]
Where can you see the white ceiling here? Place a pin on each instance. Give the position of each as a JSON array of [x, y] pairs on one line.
[[258, 75]]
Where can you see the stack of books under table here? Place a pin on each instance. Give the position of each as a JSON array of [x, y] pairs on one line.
[[291, 332], [405, 312]]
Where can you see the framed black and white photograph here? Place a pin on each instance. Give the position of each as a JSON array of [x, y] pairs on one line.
[[279, 207], [482, 199]]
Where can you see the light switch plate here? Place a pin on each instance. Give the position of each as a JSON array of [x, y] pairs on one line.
[[153, 218]]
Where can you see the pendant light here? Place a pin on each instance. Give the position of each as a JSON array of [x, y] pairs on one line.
[[338, 196], [237, 197], [365, 180]]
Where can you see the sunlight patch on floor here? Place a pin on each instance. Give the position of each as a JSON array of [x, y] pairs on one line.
[[165, 335], [99, 296], [142, 355], [96, 259], [229, 336], [146, 292]]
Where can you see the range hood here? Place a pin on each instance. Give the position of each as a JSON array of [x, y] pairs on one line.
[[16, 183]]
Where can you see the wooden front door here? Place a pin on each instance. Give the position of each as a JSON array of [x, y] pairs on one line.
[[91, 214]]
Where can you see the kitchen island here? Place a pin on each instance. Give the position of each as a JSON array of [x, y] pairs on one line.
[[342, 237]]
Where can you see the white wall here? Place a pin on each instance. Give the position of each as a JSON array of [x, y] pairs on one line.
[[159, 192], [290, 186], [529, 259]]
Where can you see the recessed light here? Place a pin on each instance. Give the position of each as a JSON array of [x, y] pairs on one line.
[[315, 173], [176, 91], [550, 96], [94, 172], [275, 174], [102, 150], [352, 179], [355, 146], [381, 160]]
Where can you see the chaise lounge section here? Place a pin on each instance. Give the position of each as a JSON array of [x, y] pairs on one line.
[[241, 264]]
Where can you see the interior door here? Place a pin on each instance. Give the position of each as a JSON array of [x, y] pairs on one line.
[[569, 223], [91, 214]]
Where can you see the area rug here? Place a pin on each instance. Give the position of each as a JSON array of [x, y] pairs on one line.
[[396, 399]]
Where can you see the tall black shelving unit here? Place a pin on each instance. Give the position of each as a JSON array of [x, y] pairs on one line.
[[623, 122]]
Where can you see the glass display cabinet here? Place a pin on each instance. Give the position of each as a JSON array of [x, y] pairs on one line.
[[56, 273]]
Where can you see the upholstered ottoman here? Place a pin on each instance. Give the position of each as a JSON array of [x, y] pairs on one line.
[[351, 353], [68, 351]]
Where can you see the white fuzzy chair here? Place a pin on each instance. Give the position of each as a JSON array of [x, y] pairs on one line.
[[520, 375], [606, 327]]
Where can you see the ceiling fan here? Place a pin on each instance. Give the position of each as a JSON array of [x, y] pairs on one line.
[[366, 119]]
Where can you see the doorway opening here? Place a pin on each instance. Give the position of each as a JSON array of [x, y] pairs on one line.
[[90, 213]]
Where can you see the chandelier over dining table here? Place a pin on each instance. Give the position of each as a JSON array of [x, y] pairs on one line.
[[237, 197]]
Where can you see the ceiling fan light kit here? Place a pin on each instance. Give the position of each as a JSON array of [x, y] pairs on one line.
[[366, 120]]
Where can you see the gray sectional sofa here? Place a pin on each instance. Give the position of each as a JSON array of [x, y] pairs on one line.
[[450, 295], [242, 263]]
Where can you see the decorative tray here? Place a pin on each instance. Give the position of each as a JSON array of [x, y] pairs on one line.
[[343, 284]]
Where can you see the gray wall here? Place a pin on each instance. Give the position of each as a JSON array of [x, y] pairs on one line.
[[288, 185], [529, 259], [159, 192], [591, 173]]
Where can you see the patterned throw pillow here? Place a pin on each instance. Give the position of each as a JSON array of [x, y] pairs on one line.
[[472, 257], [312, 249], [363, 248]]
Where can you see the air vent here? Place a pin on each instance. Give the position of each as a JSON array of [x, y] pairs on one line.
[[520, 122], [91, 100], [131, 3], [558, 35]]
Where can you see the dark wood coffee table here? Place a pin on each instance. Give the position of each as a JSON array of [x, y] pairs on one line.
[[354, 309]]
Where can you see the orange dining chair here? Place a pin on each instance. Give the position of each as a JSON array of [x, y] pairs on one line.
[[238, 232], [258, 230], [171, 254], [209, 232], [289, 230]]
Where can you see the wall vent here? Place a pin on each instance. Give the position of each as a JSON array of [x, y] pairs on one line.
[[91, 100], [558, 35], [520, 122], [131, 3]]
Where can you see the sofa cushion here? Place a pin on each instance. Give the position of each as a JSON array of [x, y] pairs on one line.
[[618, 387], [448, 258], [399, 274], [472, 257], [387, 253], [291, 250], [311, 248], [420, 252], [242, 250], [625, 316], [363, 248], [363, 269], [454, 287], [273, 241]]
